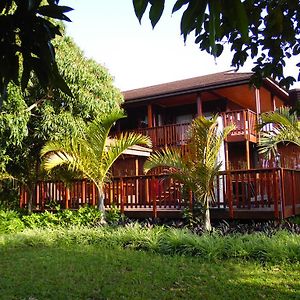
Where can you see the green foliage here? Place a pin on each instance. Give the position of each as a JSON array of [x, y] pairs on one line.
[[30, 118], [90, 83], [277, 127], [113, 215], [10, 222], [9, 195], [85, 216], [266, 31], [94, 152], [198, 169], [278, 248], [13, 124], [26, 35]]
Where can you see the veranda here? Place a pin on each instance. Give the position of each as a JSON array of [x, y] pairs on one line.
[[272, 193]]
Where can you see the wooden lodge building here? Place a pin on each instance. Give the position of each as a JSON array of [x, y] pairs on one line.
[[248, 187]]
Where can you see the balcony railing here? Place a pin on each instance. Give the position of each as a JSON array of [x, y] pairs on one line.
[[177, 134], [167, 135], [245, 122]]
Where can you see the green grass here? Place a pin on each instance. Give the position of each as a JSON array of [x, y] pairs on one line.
[[90, 272], [104, 263]]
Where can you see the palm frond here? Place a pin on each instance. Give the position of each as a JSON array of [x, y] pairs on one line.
[[198, 170], [118, 146], [278, 127], [58, 158], [99, 129], [5, 175], [168, 157]]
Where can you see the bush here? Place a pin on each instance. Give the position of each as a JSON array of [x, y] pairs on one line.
[[85, 216], [10, 222], [9, 195]]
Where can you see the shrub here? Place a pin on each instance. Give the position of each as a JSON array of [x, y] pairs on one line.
[[10, 222], [85, 216], [113, 216]]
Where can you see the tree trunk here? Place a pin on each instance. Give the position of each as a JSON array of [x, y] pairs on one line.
[[206, 217], [30, 197], [101, 206]]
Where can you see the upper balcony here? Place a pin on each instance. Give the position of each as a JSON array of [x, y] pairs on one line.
[[245, 122], [177, 134]]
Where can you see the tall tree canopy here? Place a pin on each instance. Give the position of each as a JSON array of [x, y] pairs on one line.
[[266, 31], [26, 33], [32, 117]]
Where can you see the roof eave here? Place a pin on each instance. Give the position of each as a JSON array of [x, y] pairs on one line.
[[186, 91]]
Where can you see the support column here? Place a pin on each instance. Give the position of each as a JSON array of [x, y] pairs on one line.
[[150, 115], [136, 181], [257, 101], [273, 102], [248, 154], [226, 156], [199, 105]]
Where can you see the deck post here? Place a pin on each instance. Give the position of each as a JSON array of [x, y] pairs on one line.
[[246, 129], [122, 195], [22, 196], [154, 194], [37, 196], [136, 181], [229, 189], [275, 187], [248, 154], [226, 156], [293, 192], [83, 191], [282, 193], [67, 198], [93, 193]]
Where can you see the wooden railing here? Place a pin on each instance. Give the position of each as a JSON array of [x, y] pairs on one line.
[[177, 134], [136, 192], [167, 135], [276, 190], [245, 122]]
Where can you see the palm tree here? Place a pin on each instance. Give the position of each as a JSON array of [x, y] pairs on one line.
[[199, 168], [93, 153], [277, 127]]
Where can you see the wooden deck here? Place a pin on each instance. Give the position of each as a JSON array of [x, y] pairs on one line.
[[242, 194]]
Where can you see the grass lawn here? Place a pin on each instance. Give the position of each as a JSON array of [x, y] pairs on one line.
[[102, 272]]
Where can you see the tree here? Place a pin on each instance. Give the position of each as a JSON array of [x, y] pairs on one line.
[[199, 168], [93, 153], [26, 32], [278, 127], [264, 30], [30, 118]]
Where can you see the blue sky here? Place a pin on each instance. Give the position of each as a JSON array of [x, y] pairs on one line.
[[135, 55]]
